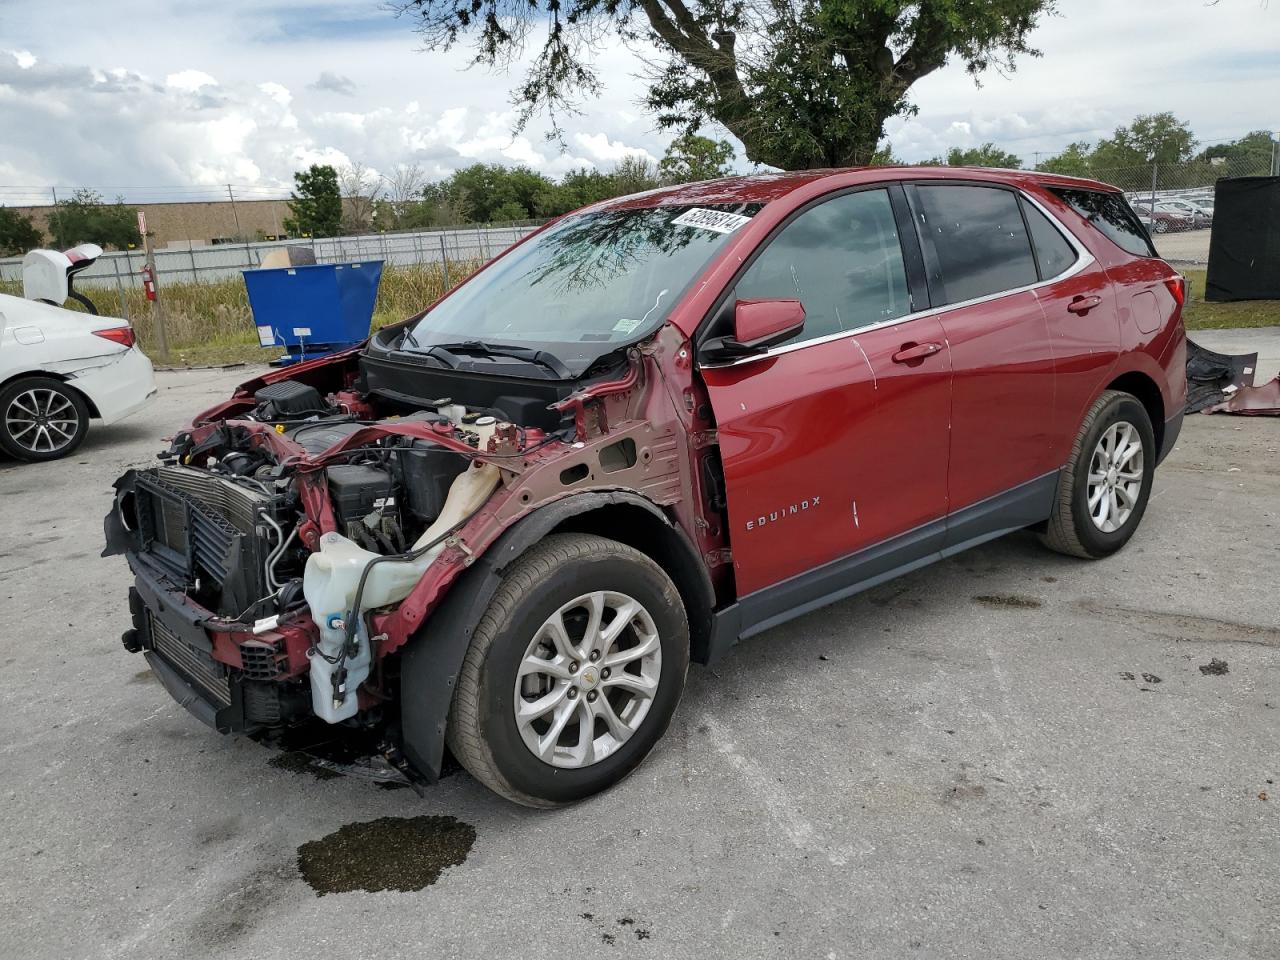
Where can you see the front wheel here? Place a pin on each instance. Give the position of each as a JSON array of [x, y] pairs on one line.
[[573, 673], [1104, 488]]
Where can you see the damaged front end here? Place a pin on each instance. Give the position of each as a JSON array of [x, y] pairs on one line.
[[294, 538]]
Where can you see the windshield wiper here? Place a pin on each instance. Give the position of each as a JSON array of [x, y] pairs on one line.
[[543, 358]]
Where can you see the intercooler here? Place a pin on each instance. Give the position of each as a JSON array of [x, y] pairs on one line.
[[199, 667]]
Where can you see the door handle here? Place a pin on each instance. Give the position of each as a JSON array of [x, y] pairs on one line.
[[915, 352], [1083, 305]]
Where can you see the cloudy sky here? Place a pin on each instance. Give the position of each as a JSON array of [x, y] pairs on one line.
[[169, 98]]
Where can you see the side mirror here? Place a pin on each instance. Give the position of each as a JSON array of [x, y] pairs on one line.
[[757, 326]]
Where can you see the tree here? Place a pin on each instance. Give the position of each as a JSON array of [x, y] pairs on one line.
[[577, 188], [360, 188], [801, 83], [633, 174], [1248, 156], [987, 155], [883, 157], [489, 192], [17, 233], [1160, 137], [1076, 160], [402, 199], [316, 203], [86, 218], [691, 158]]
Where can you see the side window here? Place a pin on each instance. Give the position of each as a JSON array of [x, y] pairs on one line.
[[841, 259], [979, 243], [1053, 251], [1112, 215]]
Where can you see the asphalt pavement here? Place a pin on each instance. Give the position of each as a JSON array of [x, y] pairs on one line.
[[1010, 754]]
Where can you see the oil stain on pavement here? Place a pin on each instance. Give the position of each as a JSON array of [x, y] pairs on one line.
[[390, 853], [1008, 601]]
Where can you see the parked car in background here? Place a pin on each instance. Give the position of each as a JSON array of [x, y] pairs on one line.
[[61, 368], [1197, 215], [1164, 221], [655, 427]]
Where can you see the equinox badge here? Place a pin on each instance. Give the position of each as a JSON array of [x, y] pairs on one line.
[[775, 515]]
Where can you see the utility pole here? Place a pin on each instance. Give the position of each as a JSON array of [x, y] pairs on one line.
[[157, 311], [248, 254], [58, 223]]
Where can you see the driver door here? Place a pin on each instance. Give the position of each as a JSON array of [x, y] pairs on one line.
[[835, 443]]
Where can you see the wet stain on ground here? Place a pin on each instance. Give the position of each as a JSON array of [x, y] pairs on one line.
[[1008, 601], [143, 676], [1214, 668], [390, 853], [295, 761]]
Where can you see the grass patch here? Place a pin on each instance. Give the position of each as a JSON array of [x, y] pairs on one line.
[[1200, 315], [210, 324]]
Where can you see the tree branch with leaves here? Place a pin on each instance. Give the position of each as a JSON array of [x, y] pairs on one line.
[[801, 83]]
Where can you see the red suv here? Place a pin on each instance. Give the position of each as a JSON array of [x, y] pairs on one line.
[[653, 428]]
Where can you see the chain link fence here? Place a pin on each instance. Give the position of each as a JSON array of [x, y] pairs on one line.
[[1175, 201], [121, 271]]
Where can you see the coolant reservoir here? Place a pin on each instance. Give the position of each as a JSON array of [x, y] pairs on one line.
[[333, 573]]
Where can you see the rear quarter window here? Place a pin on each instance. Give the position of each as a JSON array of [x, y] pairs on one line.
[[1112, 216], [1053, 251]]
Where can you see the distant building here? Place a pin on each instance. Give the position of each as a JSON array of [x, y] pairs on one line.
[[198, 224]]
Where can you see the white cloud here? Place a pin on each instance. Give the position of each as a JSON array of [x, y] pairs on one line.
[[604, 150], [334, 83], [277, 92], [189, 80], [243, 99]]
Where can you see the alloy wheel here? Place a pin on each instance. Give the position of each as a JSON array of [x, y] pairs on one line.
[[587, 679], [1115, 476], [41, 420]]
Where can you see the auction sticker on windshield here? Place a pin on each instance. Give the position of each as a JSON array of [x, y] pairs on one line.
[[717, 220]]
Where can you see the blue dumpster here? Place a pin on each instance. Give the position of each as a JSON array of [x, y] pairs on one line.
[[313, 310]]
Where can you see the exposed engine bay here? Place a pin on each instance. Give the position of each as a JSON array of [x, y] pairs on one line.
[[285, 544]]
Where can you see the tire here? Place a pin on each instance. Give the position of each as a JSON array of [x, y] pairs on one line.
[[1074, 527], [1160, 226], [41, 419], [484, 732]]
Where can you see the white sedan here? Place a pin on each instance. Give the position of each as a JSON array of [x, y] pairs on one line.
[[59, 369]]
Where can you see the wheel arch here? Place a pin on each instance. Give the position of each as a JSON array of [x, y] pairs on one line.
[[1147, 392], [61, 378], [433, 658]]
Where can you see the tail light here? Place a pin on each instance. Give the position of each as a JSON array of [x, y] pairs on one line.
[[121, 335], [1178, 287]]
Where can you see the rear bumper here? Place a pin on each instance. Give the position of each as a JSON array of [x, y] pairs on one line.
[[120, 388], [1172, 427]]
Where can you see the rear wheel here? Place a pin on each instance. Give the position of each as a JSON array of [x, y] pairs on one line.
[[573, 673], [43, 419], [1103, 491]]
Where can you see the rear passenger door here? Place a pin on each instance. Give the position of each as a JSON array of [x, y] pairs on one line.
[[981, 271], [1079, 304]]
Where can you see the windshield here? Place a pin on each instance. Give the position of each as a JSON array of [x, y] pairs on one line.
[[584, 286]]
